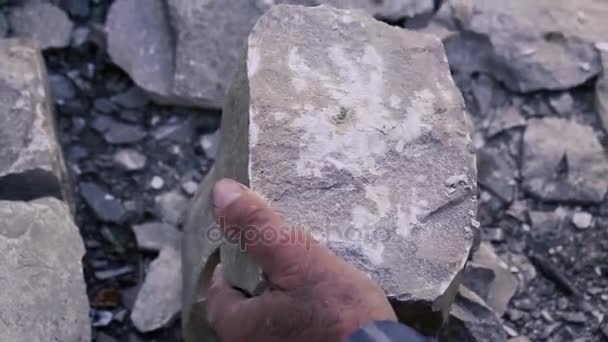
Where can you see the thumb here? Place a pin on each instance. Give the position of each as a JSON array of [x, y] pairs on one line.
[[242, 214], [224, 303]]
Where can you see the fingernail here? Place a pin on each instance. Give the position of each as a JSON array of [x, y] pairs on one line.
[[226, 192]]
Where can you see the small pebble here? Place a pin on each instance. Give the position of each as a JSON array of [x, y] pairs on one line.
[[582, 220], [190, 187], [130, 160], [113, 273], [157, 183], [575, 317]]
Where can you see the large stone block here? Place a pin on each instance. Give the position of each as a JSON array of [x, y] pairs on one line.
[[31, 164], [43, 295], [354, 130]]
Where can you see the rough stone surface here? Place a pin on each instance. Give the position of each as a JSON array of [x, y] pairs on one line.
[[43, 295], [140, 42], [358, 132], [45, 22], [153, 236], [571, 168], [31, 165], [159, 299], [471, 320], [387, 9], [535, 45], [601, 89]]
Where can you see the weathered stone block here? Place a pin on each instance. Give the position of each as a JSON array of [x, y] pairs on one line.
[[353, 129], [41, 21], [43, 295], [31, 164]]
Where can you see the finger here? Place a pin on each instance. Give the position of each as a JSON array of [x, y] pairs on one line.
[[277, 249], [224, 304]]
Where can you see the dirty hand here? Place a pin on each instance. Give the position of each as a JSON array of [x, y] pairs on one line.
[[312, 294]]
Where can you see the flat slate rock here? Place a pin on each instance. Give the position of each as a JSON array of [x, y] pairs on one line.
[[343, 117], [153, 236], [571, 168], [159, 300], [31, 164], [42, 21], [536, 45], [43, 295]]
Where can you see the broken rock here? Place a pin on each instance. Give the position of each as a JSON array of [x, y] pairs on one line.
[[43, 295], [563, 161], [31, 164], [358, 137], [471, 320], [536, 45], [159, 299], [41, 21], [106, 207]]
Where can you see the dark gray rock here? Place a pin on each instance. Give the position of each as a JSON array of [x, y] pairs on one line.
[[562, 104], [351, 121], [158, 302], [498, 170], [535, 45], [133, 98], [471, 320], [106, 207], [62, 88], [31, 164], [77, 8], [115, 132], [563, 161], [153, 236], [42, 21], [43, 295]]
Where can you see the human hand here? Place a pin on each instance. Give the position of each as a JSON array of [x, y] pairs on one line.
[[313, 295]]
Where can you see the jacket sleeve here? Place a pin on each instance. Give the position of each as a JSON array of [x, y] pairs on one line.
[[387, 331]]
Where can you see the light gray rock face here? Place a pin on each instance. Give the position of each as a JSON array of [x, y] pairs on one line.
[[601, 88], [45, 22], [31, 165], [535, 45], [159, 299], [43, 295], [471, 320], [210, 35], [153, 236], [140, 42], [563, 161], [336, 119]]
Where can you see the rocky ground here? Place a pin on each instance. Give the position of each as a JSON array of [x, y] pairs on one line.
[[541, 142]]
